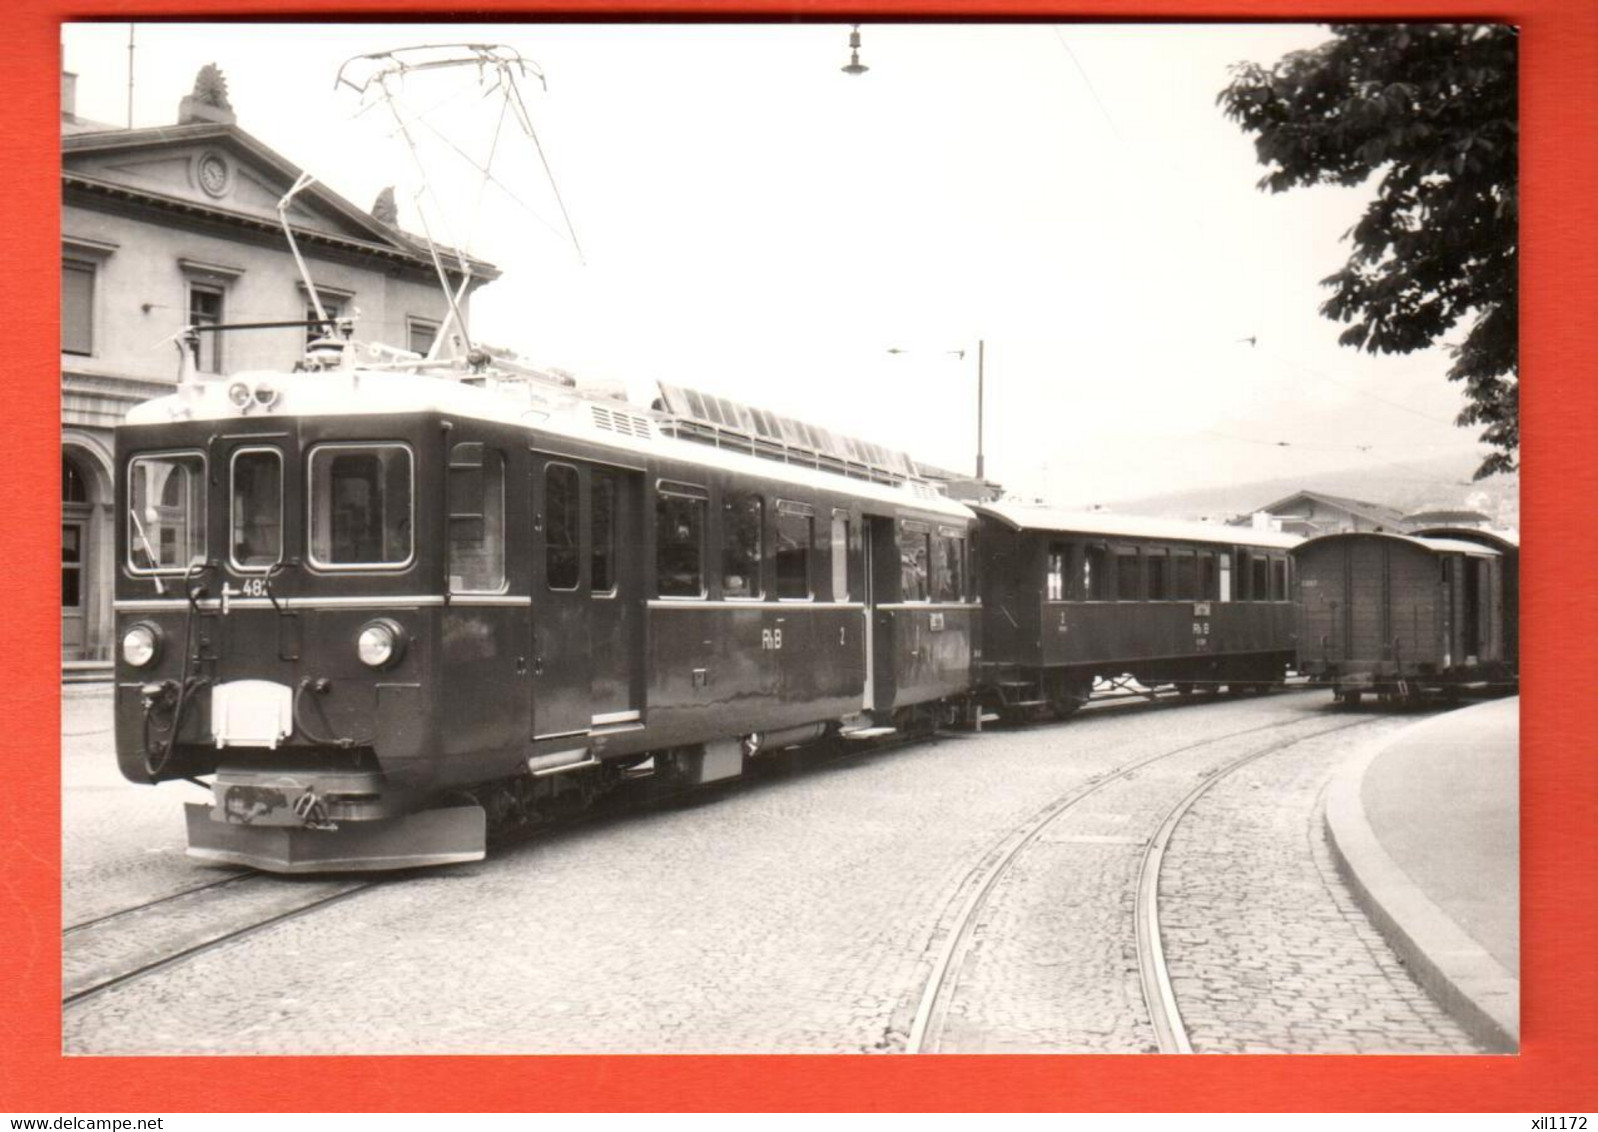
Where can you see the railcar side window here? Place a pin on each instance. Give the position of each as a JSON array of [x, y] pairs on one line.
[[1184, 570], [948, 567], [1226, 578], [1159, 577], [1259, 578], [1128, 582], [361, 505], [1054, 574], [1279, 589], [166, 512], [915, 559], [742, 519], [1209, 578], [602, 557], [840, 556], [561, 488], [476, 519], [796, 527], [1095, 574], [256, 512], [679, 541]]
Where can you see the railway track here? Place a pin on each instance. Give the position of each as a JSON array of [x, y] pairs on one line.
[[110, 950], [975, 890]]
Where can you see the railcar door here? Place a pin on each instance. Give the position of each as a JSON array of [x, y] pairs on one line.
[[881, 587], [615, 587], [561, 582]]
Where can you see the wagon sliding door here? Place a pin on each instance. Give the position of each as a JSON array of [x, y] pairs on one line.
[[562, 657], [615, 591]]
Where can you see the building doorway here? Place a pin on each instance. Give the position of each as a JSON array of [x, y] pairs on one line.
[[76, 512]]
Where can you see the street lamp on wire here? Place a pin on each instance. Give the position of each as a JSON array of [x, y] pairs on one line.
[[981, 358]]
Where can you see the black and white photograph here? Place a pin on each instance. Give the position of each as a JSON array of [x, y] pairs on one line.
[[789, 537]]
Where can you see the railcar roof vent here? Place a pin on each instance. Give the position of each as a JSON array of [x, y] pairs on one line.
[[725, 423], [620, 421]]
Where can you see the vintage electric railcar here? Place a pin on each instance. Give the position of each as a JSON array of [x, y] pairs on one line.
[[1402, 617], [1070, 597], [387, 610]]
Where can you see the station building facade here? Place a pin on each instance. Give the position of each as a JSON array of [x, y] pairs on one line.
[[170, 226]]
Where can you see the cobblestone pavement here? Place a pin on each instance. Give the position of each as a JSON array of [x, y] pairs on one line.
[[787, 914], [1267, 950], [121, 844]]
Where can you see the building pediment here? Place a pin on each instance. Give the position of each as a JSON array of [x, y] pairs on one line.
[[217, 166]]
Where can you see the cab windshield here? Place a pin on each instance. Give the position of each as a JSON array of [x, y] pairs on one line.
[[166, 512], [361, 506]]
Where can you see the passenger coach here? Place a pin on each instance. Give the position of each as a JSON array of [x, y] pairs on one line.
[[387, 609], [1071, 597]]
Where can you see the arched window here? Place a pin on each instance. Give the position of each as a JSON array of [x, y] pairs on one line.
[[74, 488]]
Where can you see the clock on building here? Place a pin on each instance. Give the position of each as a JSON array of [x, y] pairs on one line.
[[213, 173]]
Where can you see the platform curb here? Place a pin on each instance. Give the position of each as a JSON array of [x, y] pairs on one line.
[[1480, 993]]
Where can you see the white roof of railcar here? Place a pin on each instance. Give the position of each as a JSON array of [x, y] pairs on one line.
[[533, 405], [1026, 517], [1434, 545]]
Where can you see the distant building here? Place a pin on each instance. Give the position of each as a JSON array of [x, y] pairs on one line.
[[1309, 513], [170, 226], [1471, 520], [958, 485]]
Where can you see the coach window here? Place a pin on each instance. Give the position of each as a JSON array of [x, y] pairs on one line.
[[840, 556], [1225, 593], [1279, 589], [796, 536], [166, 512], [742, 519], [680, 540], [361, 510], [602, 531], [1054, 574], [561, 495], [1096, 574], [1159, 571], [476, 519], [1128, 576], [1259, 581], [256, 508]]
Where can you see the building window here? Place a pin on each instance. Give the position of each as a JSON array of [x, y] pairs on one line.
[[680, 540], [742, 517], [77, 307], [421, 334], [73, 487], [476, 519], [796, 535], [361, 512], [561, 565], [205, 309]]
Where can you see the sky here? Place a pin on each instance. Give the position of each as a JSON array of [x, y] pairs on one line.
[[755, 222]]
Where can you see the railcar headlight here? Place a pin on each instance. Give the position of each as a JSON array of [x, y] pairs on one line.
[[265, 393], [141, 644], [240, 394], [380, 644]]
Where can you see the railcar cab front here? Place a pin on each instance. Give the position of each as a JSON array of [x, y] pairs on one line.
[[280, 603]]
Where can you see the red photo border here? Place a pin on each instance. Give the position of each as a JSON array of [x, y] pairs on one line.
[[1559, 770]]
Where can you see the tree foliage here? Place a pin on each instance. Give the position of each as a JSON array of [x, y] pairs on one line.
[[1429, 112]]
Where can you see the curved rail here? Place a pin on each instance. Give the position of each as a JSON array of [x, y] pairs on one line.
[[1158, 995], [985, 875]]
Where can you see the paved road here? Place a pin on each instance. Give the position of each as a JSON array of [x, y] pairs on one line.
[[796, 914]]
